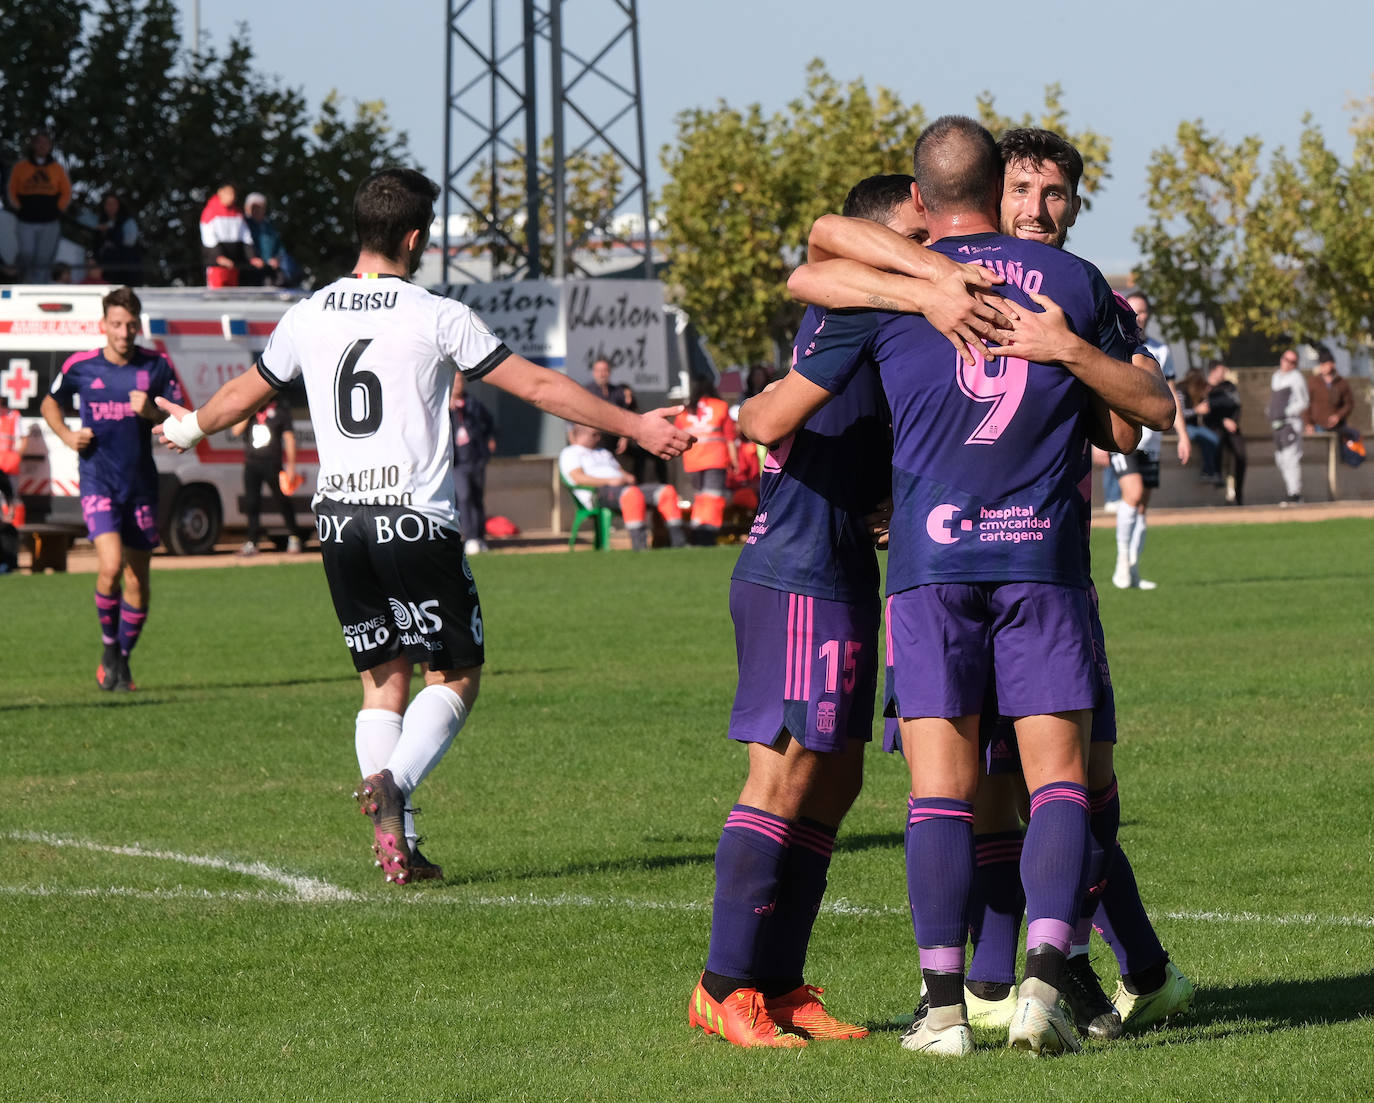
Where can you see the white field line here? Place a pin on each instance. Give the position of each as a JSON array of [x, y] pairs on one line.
[[307, 889], [310, 890]]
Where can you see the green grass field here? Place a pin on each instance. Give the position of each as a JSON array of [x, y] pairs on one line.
[[189, 911]]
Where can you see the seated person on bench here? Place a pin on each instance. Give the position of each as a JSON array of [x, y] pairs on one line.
[[600, 480]]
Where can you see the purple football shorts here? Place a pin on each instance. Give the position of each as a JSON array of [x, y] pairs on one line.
[[135, 520], [944, 642], [807, 667]]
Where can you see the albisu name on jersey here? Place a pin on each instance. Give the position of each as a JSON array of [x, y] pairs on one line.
[[360, 300]]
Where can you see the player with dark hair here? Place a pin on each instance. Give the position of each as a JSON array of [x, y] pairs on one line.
[[986, 570], [377, 356], [804, 599], [1040, 203], [879, 198], [116, 387]]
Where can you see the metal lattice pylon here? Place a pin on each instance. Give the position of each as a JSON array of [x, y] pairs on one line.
[[501, 106]]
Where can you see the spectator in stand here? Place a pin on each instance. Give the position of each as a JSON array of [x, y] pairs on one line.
[[620, 394], [91, 274], [474, 442], [602, 481], [1331, 397], [1220, 412], [1191, 392], [279, 267], [617, 394], [39, 192], [707, 418], [1287, 408], [269, 456], [115, 243], [225, 241]]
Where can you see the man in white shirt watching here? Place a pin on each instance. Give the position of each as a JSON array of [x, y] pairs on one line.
[[598, 479]]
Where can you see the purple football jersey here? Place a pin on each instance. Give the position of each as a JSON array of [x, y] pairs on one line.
[[809, 535], [119, 461], [987, 458]]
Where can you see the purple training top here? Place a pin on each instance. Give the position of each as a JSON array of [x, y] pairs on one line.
[[119, 462]]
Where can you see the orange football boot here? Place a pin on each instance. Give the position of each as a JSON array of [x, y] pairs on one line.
[[741, 1018], [803, 1011]]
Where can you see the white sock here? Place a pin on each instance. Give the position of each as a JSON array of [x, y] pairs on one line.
[[1125, 526], [1138, 538], [375, 735], [428, 727]]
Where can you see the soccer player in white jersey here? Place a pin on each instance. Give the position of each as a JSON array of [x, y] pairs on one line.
[[1138, 471], [377, 355]]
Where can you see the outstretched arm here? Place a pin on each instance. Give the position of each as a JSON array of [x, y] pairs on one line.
[[557, 394], [236, 400]]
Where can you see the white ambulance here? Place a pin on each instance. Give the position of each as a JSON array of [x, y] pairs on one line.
[[208, 336]]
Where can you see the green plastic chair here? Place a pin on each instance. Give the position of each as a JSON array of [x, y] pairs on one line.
[[600, 516]]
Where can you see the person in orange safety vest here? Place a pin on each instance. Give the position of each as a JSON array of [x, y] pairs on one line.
[[707, 417]]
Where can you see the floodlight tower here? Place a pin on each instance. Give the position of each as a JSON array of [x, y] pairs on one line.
[[499, 107]]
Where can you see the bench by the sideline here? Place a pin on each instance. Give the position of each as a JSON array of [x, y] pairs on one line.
[[50, 542]]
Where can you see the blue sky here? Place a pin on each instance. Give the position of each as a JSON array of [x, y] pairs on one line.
[[1132, 73]]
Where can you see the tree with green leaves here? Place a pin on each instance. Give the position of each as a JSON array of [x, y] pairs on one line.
[[743, 190], [135, 112], [1199, 196], [1286, 253]]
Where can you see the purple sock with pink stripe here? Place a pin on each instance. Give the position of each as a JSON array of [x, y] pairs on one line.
[[130, 626], [748, 872], [1104, 816], [939, 872], [1054, 863], [996, 906], [1124, 923], [805, 865], [107, 609]]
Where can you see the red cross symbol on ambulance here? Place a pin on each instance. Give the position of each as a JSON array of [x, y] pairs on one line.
[[18, 384]]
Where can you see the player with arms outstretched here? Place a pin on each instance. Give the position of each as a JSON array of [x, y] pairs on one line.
[[377, 356]]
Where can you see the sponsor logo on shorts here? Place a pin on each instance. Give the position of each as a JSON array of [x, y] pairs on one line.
[[417, 622], [367, 635]]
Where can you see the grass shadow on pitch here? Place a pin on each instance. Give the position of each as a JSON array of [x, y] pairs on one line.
[[1265, 1006], [171, 694], [638, 864]]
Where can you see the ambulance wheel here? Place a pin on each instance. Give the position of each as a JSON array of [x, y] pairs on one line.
[[196, 519]]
